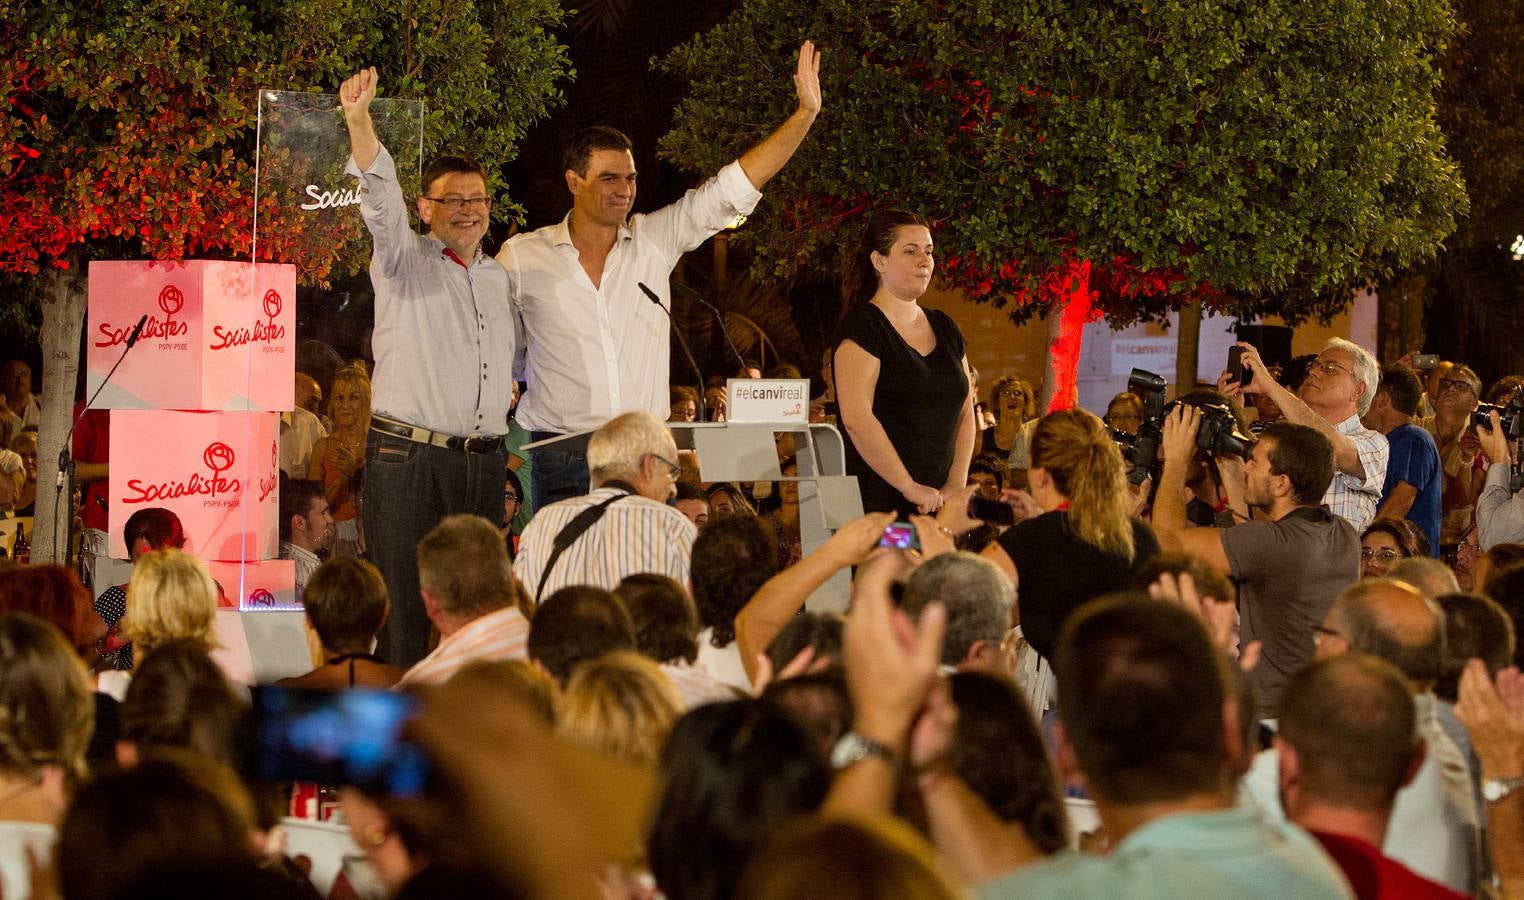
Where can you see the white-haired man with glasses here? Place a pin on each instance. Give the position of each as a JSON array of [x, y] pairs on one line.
[[444, 336], [1339, 388], [623, 526]]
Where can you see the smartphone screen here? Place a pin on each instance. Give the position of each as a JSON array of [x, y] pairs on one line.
[[991, 511], [900, 536], [337, 738]]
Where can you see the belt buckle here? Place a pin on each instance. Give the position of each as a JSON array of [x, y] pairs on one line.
[[475, 444]]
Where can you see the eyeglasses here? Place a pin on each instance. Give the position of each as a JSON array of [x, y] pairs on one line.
[[1385, 554], [1473, 548], [457, 203], [1012, 392], [673, 469], [510, 496], [1319, 632], [1328, 367], [1454, 384]]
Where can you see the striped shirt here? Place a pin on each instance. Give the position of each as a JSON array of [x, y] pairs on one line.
[[502, 634], [1354, 499], [696, 687], [635, 535]]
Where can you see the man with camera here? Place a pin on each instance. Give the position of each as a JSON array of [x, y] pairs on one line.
[[1338, 390], [1499, 508], [1289, 569]]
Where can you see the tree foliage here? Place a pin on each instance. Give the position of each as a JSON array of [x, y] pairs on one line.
[[1256, 156], [128, 127]]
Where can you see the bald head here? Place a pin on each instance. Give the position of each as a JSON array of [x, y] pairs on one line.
[[309, 395], [1429, 575], [1392, 620]]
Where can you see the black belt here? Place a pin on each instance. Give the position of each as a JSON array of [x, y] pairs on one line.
[[476, 443]]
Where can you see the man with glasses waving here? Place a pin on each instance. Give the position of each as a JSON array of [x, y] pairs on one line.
[[1339, 388], [445, 335], [623, 527]]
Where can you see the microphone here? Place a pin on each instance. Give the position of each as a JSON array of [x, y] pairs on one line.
[[718, 317], [137, 332], [699, 373]]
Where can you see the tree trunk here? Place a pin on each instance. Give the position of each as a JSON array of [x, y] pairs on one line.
[[63, 317], [1187, 348], [1066, 334]]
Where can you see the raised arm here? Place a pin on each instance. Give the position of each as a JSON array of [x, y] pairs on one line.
[[1170, 524], [765, 614], [763, 161], [355, 95], [1346, 451]]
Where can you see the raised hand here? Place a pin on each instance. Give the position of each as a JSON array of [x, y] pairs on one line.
[[357, 91], [807, 78]]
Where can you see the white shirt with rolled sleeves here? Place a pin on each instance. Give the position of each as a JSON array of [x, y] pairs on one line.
[[1353, 499], [593, 353], [445, 335]]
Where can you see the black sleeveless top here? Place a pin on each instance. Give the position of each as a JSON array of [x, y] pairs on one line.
[[917, 400]]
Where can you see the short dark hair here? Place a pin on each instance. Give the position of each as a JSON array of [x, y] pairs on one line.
[[296, 498], [1141, 695], [1402, 386], [179, 698], [1303, 454], [999, 754], [1475, 626], [346, 602], [732, 558], [735, 772], [579, 150], [575, 624], [1351, 721], [441, 166], [687, 490], [990, 464], [1507, 589], [1209, 581], [665, 619], [158, 526], [1500, 558], [819, 630]]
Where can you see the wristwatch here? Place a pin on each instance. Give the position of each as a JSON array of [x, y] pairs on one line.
[[1496, 790], [854, 748]]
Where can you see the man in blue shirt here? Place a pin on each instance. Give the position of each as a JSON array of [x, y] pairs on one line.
[[1414, 478]]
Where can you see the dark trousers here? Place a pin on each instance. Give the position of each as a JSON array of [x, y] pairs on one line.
[[409, 487], [557, 476]]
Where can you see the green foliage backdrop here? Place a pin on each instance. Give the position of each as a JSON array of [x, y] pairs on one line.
[[1256, 156]]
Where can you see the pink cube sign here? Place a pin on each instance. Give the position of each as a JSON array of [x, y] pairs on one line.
[[258, 586], [218, 335], [219, 472]]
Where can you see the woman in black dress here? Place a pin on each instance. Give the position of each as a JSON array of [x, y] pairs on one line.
[[901, 375], [1082, 542]]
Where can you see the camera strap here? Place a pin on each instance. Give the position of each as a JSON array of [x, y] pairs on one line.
[[574, 529]]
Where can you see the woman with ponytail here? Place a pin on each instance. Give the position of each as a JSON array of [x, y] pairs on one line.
[[1085, 543], [901, 375]]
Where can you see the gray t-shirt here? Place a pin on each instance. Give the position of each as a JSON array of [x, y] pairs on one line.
[[1289, 572]]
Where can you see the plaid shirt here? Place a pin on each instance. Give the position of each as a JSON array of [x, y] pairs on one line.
[[1355, 499]]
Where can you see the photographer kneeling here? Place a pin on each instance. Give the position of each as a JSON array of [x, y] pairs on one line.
[[1289, 569]]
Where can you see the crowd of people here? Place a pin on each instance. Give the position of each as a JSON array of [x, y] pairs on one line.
[[1258, 641]]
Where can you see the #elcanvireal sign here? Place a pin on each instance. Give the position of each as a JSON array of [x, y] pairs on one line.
[[218, 335]]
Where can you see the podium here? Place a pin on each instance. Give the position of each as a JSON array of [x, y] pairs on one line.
[[747, 451]]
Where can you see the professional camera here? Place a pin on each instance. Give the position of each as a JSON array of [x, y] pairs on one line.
[[1142, 449], [1217, 435], [1508, 416]]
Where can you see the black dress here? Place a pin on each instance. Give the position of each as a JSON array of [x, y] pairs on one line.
[[1057, 572], [918, 401]]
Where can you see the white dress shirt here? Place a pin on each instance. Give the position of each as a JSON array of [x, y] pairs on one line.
[[596, 352], [445, 336]]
